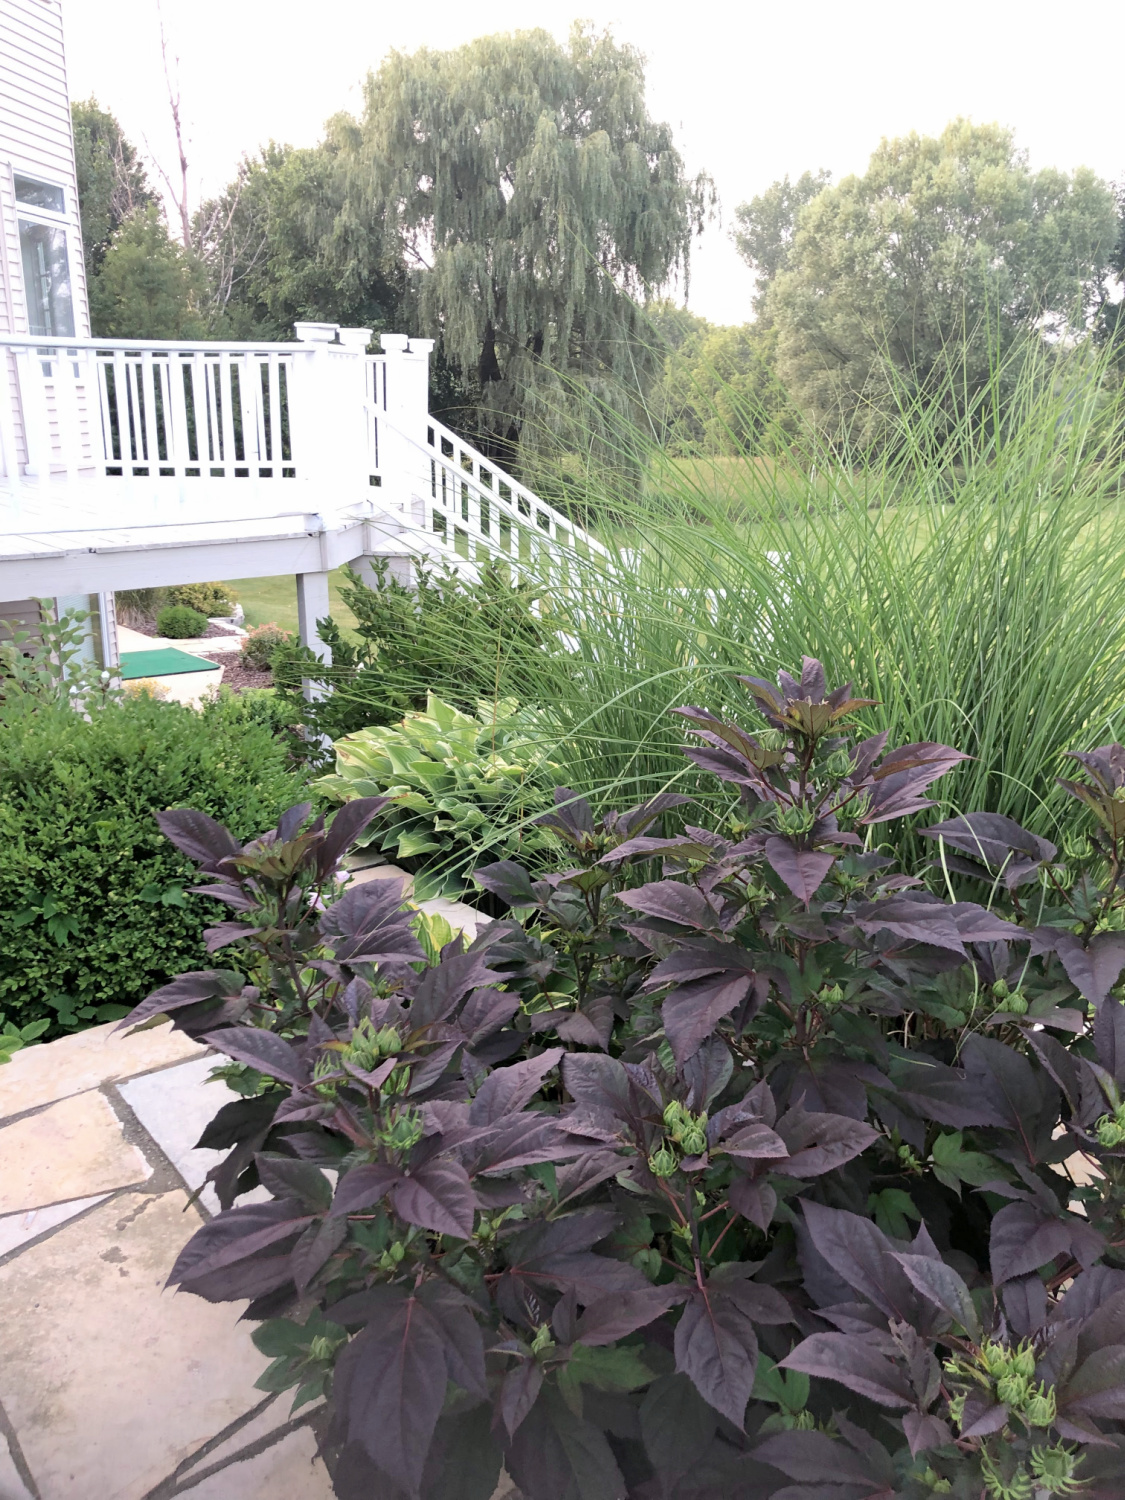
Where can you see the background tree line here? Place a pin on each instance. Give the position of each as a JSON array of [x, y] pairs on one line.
[[514, 198]]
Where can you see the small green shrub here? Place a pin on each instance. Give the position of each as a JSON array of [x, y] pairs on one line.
[[207, 598], [463, 790], [179, 623], [48, 664], [94, 907], [260, 644]]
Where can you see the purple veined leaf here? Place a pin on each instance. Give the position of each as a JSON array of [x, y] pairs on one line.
[[289, 1177], [586, 1172], [1022, 1239], [646, 847], [571, 816], [264, 1050], [506, 1090], [672, 901], [461, 1334], [522, 1140], [992, 839], [943, 1287], [707, 1073], [443, 987], [199, 837], [343, 831], [1094, 969], [802, 870], [697, 958], [814, 1458], [518, 1393], [225, 933], [924, 1431], [913, 921], [848, 1359], [1109, 1038], [1020, 1096], [754, 1142], [368, 925], [813, 686], [598, 1082], [235, 1235], [188, 989], [1097, 1387], [315, 1248], [363, 1187], [717, 1349], [859, 1253], [557, 1254], [437, 1195], [693, 1010], [290, 821], [615, 1317], [486, 1011], [981, 1415], [509, 881], [375, 1079], [556, 1455], [390, 1385], [927, 760], [754, 1200], [817, 1143], [976, 924], [758, 1302], [864, 756]]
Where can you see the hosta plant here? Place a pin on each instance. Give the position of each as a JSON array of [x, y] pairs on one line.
[[779, 1173], [461, 790]]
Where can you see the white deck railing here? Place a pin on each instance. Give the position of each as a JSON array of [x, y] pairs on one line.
[[99, 434]]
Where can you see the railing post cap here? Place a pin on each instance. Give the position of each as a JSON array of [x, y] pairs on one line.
[[355, 338], [403, 343], [316, 333]]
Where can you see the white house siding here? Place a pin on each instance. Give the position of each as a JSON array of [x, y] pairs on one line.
[[36, 139]]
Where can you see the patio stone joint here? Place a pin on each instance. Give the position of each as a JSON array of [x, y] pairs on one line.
[[15, 1453], [184, 1478]]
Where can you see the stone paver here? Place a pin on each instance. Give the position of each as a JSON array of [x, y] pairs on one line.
[[17, 1229], [290, 1470], [174, 1106], [12, 1486], [40, 1075], [109, 1381], [72, 1149]]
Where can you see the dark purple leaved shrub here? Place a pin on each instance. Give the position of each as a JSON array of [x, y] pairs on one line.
[[742, 1164]]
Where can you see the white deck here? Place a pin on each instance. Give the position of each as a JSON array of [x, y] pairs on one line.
[[136, 464]]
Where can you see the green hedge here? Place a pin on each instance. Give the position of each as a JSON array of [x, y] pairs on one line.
[[93, 908]]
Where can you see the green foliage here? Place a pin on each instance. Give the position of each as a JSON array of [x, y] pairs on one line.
[[767, 225], [458, 639], [179, 622], [261, 642], [463, 790], [971, 577], [112, 185], [544, 198], [943, 254], [93, 902], [205, 598], [720, 394], [48, 663], [149, 286]]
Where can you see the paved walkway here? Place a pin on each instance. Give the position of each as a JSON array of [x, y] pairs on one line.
[[112, 1388]]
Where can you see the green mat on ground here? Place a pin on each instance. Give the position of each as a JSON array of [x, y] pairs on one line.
[[164, 663]]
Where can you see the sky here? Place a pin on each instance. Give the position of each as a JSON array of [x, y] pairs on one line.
[[752, 91]]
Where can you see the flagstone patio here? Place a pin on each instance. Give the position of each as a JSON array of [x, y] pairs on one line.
[[111, 1387]]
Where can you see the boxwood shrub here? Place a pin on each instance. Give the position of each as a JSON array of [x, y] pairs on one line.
[[94, 908]]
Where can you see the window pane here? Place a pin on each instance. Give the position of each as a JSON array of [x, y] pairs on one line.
[[46, 277], [39, 194]]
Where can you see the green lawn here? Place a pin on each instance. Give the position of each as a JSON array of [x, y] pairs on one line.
[[274, 600]]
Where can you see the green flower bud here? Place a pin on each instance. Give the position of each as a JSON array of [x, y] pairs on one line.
[[1041, 1409], [673, 1114], [693, 1141], [1110, 1130], [1054, 1468], [1000, 989], [321, 1347], [542, 1339], [1013, 1390], [1022, 1361], [663, 1163], [1015, 1004], [831, 994]]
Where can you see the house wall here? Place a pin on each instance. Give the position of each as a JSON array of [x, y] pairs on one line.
[[36, 139]]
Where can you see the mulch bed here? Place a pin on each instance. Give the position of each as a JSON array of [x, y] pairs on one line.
[[237, 675], [146, 624]]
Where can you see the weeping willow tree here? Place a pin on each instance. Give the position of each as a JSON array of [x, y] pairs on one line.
[[539, 205]]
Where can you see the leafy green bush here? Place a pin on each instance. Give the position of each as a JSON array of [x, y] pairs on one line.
[[179, 623], [207, 598], [260, 644], [93, 902], [748, 1165], [460, 640], [462, 790], [49, 664]]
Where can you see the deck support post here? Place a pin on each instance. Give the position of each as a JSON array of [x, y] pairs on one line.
[[313, 604]]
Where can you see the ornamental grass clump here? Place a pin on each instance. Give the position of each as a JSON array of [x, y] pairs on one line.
[[728, 1169]]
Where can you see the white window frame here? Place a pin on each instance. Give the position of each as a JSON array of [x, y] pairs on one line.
[[52, 219]]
